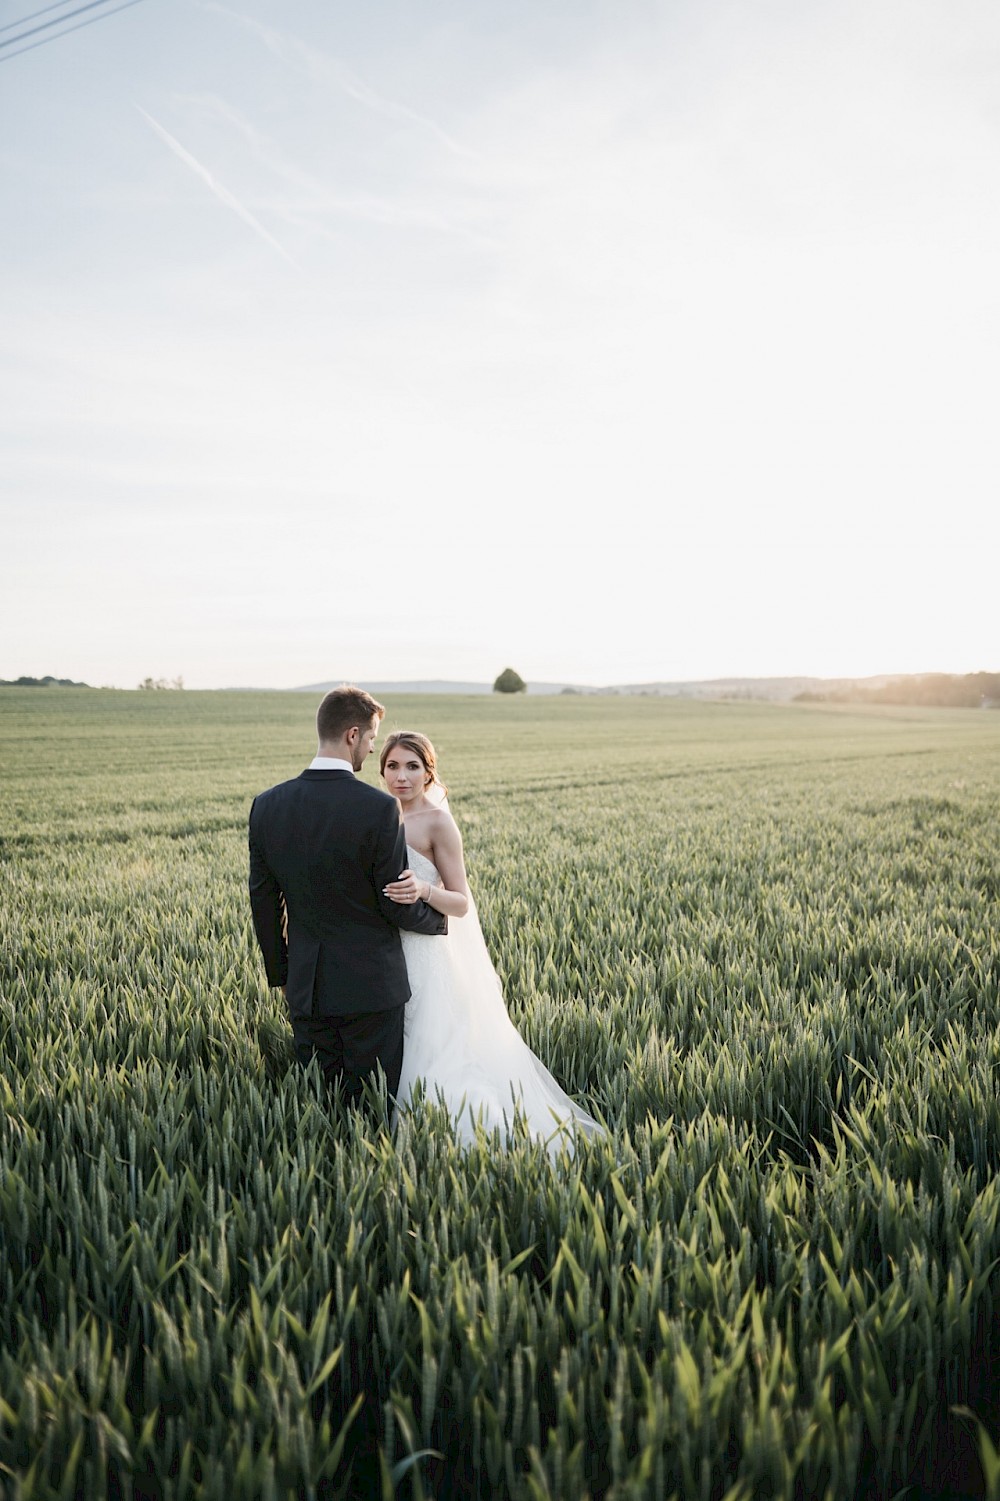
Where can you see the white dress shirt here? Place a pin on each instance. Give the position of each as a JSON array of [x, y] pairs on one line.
[[330, 763]]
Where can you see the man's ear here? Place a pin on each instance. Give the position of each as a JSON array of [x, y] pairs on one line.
[[353, 735]]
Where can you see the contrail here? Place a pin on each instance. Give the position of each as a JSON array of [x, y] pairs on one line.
[[367, 208], [223, 194], [359, 90], [331, 68]]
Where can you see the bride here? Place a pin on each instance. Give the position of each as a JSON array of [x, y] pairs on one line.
[[458, 1039]]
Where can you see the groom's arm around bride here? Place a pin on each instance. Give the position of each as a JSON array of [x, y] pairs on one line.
[[322, 848]]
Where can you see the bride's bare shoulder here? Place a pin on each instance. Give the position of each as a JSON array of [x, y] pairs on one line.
[[443, 826]]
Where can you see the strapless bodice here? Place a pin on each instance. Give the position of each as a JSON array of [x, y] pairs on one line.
[[421, 866]]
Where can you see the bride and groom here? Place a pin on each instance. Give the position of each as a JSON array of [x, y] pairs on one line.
[[365, 920]]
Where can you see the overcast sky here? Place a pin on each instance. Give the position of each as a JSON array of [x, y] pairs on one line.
[[615, 341]]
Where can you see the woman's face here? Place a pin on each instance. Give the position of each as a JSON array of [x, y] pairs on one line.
[[405, 773]]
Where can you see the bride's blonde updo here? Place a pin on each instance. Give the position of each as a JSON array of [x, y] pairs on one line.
[[419, 744]]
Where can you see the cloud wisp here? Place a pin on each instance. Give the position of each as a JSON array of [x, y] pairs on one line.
[[221, 193]]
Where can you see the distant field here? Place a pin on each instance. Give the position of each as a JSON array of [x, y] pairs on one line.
[[762, 941]]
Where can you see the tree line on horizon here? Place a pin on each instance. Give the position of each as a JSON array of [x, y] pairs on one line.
[[932, 690], [46, 682], [938, 690]]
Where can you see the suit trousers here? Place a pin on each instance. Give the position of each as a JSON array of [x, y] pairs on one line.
[[350, 1048]]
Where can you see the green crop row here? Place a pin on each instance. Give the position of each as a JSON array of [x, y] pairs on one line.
[[762, 943]]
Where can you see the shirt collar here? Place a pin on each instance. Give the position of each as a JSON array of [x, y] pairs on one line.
[[330, 763]]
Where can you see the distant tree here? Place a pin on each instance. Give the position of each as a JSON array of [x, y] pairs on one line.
[[510, 682], [159, 685]]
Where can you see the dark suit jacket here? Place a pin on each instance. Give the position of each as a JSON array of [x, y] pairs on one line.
[[322, 847]]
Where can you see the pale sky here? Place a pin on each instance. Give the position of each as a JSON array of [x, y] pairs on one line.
[[613, 340]]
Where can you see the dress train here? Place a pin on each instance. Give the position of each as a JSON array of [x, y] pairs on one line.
[[461, 1044]]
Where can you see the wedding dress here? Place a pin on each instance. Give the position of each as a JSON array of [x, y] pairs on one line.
[[459, 1041]]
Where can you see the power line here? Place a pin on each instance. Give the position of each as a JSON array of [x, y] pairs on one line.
[[58, 22], [34, 14], [47, 25]]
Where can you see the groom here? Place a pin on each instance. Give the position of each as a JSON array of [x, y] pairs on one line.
[[322, 848]]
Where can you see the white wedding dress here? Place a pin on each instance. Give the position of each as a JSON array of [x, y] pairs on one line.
[[460, 1043]]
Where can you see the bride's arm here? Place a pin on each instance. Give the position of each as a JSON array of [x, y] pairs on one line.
[[452, 897]]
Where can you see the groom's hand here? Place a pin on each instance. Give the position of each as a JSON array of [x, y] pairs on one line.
[[406, 890]]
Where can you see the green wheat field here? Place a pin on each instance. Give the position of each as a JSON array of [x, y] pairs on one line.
[[762, 941]]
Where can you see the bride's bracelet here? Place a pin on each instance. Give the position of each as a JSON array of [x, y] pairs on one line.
[[427, 898]]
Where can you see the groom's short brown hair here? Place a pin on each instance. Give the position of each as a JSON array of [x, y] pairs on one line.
[[341, 709]]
